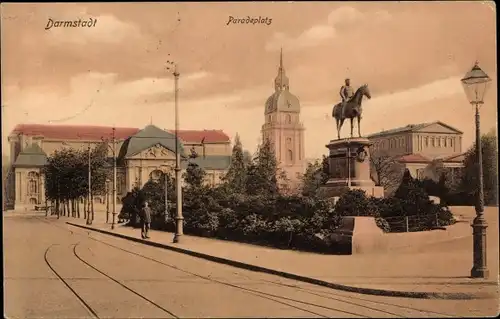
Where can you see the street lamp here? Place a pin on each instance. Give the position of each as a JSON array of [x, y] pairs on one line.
[[108, 182], [179, 219], [476, 82]]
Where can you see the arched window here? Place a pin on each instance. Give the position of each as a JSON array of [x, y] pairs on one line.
[[288, 119], [120, 184], [33, 183], [155, 175], [290, 155], [288, 141]]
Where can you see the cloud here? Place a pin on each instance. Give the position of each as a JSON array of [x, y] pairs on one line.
[[318, 34], [107, 29], [92, 97]]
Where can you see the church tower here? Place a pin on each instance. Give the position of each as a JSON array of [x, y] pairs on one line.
[[283, 128]]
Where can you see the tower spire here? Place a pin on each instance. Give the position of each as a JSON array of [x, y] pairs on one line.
[[281, 66], [281, 58]]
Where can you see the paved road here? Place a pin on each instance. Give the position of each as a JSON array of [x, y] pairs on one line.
[[53, 270]]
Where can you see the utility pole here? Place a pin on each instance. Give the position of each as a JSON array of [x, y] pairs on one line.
[[179, 219], [349, 163], [89, 217], [166, 197], [114, 179], [107, 200]]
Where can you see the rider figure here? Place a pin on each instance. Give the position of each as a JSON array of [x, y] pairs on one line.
[[346, 92]]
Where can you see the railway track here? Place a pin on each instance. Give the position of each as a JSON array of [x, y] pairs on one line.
[[291, 302]]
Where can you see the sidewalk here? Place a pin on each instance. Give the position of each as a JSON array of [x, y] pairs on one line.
[[438, 270]]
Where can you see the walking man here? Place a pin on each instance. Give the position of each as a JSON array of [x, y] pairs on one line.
[[146, 220]]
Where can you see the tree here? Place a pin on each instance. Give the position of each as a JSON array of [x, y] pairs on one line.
[[469, 180], [415, 201], [65, 177], [262, 172], [236, 175], [194, 176], [316, 174], [247, 157], [386, 170]]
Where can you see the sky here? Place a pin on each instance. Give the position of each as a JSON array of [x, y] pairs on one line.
[[412, 55]]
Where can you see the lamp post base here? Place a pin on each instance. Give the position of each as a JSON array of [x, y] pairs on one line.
[[479, 269], [113, 222], [179, 230]]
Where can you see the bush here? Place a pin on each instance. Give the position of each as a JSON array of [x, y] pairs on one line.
[[354, 203], [383, 224]]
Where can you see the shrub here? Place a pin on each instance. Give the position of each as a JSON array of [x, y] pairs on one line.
[[353, 203], [383, 224]]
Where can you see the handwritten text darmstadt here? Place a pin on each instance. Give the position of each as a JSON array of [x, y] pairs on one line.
[[85, 23]]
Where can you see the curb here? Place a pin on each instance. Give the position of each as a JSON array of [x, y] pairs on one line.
[[360, 290]]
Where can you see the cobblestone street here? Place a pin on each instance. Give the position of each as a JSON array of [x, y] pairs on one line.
[[60, 271]]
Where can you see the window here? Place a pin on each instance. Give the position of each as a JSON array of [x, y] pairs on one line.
[[445, 142], [433, 142], [426, 141], [438, 140], [288, 141], [33, 183], [290, 155], [451, 142], [288, 119], [269, 118], [120, 183], [155, 175], [420, 173]]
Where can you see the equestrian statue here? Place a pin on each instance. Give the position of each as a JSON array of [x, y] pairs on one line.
[[350, 107]]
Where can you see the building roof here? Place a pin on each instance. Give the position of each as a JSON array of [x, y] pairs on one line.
[[457, 158], [414, 158], [73, 132], [32, 156], [411, 128], [207, 136], [210, 162], [146, 138], [91, 132]]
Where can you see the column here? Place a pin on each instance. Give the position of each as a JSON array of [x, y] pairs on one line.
[[41, 189]]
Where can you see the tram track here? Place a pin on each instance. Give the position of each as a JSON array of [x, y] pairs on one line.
[[84, 303], [273, 297]]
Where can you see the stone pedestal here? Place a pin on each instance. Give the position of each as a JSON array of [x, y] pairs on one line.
[[359, 235], [349, 161]]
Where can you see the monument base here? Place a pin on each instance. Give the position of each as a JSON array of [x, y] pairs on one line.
[[359, 235], [349, 168]]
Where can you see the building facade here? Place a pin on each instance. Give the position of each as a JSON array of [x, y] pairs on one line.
[[419, 146], [142, 155], [283, 128]]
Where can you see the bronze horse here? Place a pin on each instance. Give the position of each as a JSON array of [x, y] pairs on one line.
[[352, 109]]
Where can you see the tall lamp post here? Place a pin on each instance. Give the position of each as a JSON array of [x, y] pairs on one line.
[[476, 82], [179, 219], [89, 217], [114, 179]]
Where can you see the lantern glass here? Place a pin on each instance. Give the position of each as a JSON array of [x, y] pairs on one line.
[[476, 83]]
